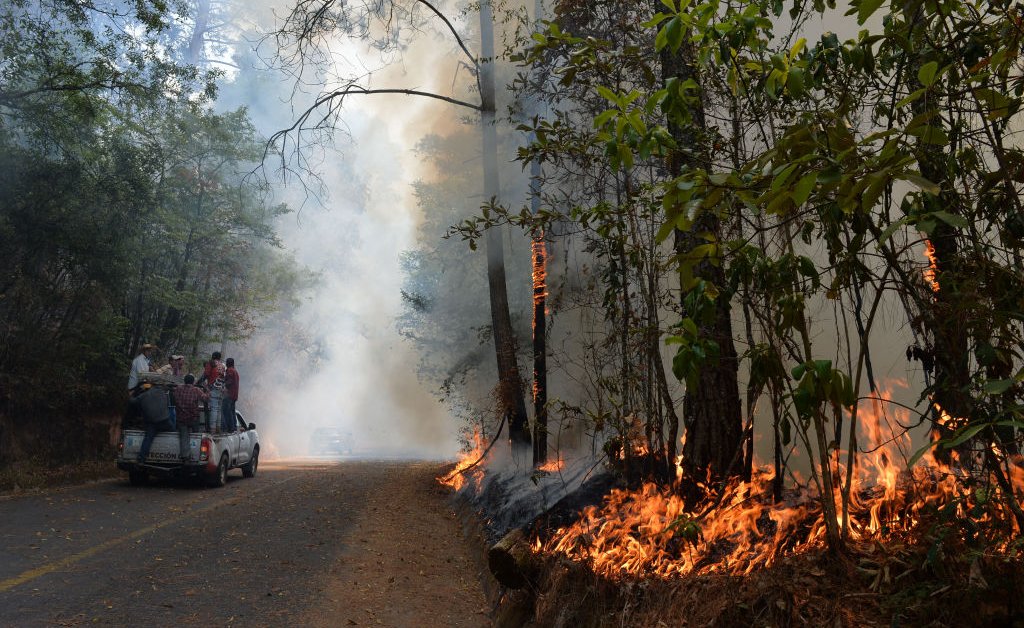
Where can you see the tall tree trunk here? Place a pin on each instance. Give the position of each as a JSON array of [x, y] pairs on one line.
[[172, 322], [949, 336], [195, 55], [540, 371], [540, 293], [712, 409], [197, 42], [510, 385]]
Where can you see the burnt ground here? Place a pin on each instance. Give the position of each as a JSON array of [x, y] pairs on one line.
[[870, 586], [307, 543]]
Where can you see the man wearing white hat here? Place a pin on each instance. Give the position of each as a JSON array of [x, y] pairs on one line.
[[140, 364]]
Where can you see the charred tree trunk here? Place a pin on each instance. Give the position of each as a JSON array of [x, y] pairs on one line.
[[510, 384], [512, 560], [540, 369], [712, 409], [949, 335]]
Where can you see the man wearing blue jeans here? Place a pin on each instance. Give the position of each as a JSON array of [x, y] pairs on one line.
[[152, 405], [187, 398], [231, 381]]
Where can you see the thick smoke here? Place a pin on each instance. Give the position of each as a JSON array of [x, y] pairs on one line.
[[335, 358]]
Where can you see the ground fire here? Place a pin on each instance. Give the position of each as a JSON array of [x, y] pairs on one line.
[[468, 465], [648, 531]]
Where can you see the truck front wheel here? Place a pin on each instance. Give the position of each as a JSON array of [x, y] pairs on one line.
[[249, 468], [221, 477]]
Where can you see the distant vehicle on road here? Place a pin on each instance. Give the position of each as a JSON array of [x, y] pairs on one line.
[[330, 441], [211, 455]]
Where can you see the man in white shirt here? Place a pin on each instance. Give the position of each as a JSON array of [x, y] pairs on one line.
[[140, 364]]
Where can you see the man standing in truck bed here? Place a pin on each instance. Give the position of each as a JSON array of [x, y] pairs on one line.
[[187, 398], [152, 406], [213, 376], [141, 364], [231, 382]]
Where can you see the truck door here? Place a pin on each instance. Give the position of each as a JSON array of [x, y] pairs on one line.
[[244, 440]]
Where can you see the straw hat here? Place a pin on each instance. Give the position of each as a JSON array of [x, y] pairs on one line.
[[147, 346]]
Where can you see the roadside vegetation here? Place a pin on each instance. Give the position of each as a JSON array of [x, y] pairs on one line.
[[768, 204], [701, 223], [129, 214]]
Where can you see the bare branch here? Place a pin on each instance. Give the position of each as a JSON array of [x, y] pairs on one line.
[[408, 92], [452, 29]]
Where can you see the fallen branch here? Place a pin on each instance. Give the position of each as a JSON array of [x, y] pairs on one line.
[[482, 456]]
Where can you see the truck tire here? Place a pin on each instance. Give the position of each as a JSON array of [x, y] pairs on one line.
[[221, 477], [249, 468], [137, 477]]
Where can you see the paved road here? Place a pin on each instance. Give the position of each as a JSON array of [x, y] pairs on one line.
[[270, 551]]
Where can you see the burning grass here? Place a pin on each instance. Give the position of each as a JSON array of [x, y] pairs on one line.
[[468, 465], [911, 534], [872, 585], [651, 532]]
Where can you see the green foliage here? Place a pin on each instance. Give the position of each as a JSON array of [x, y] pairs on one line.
[[823, 162], [127, 214], [818, 383], [686, 528]]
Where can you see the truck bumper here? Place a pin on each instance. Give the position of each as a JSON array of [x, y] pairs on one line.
[[178, 470]]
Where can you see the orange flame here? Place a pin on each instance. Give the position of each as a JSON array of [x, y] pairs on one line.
[[551, 466], [456, 478], [650, 532], [945, 420], [540, 289], [931, 273], [540, 272]]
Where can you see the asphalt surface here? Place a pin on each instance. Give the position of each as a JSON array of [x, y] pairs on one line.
[[274, 550]]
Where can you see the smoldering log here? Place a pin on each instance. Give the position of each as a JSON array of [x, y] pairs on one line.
[[512, 560]]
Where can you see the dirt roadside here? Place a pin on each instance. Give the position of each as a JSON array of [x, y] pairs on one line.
[[408, 564]]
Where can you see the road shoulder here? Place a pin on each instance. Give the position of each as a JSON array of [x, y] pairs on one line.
[[407, 563]]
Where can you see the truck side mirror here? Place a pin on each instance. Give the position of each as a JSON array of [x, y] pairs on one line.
[[252, 426]]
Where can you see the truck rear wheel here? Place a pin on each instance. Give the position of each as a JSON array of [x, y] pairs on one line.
[[137, 477], [221, 477]]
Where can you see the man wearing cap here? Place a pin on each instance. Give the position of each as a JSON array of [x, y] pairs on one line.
[[177, 365], [140, 364]]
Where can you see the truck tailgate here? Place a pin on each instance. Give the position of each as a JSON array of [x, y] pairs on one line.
[[164, 449]]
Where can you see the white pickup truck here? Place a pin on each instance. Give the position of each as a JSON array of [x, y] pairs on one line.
[[211, 455]]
